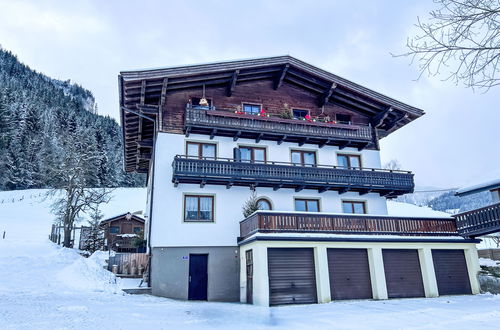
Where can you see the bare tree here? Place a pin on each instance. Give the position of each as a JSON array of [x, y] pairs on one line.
[[463, 38], [393, 164]]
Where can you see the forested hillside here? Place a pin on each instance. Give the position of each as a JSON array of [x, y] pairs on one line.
[[43, 120], [447, 201]]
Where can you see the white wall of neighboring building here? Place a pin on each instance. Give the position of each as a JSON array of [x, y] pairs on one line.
[[169, 229]]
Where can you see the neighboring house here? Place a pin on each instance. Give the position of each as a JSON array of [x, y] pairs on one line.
[[485, 220], [307, 142], [122, 231]]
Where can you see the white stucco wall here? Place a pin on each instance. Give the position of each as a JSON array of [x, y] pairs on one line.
[[169, 229]]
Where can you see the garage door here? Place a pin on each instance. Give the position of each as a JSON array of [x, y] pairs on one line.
[[402, 273], [451, 272], [349, 274], [292, 278]]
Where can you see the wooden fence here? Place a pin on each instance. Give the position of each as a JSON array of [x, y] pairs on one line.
[[129, 264], [493, 254], [78, 236]]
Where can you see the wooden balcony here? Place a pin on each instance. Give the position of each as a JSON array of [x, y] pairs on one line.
[[228, 123], [485, 220], [228, 172], [276, 222]]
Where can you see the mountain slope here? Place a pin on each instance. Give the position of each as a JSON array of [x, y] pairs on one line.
[[40, 118]]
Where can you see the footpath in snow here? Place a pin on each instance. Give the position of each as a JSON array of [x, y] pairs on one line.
[[44, 286]]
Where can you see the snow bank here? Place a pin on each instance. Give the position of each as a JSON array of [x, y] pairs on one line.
[[88, 274], [488, 262]]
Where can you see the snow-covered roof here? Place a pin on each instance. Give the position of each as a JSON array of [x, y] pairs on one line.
[[488, 181]]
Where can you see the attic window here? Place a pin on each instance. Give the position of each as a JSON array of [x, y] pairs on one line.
[[252, 109], [299, 113], [344, 119]]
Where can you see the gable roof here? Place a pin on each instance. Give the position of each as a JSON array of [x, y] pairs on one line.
[[119, 217], [143, 93]]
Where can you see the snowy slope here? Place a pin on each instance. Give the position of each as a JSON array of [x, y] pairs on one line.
[[410, 210]]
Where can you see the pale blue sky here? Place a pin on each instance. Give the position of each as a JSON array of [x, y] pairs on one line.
[[89, 42]]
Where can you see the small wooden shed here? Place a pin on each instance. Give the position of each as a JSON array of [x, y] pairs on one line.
[[122, 232]]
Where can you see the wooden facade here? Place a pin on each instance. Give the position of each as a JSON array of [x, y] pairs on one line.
[[125, 224], [156, 100]]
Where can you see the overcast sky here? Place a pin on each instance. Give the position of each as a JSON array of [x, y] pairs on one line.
[[89, 42]]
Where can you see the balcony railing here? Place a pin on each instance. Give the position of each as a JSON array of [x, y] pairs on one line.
[[226, 171], [276, 222], [228, 123], [478, 222]]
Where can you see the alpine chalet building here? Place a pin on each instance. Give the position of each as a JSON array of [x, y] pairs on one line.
[[307, 143]]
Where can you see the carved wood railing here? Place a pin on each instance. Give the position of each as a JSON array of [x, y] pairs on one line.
[[291, 222], [481, 221], [226, 170], [276, 125]]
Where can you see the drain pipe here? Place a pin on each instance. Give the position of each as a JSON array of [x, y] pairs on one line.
[[152, 166]]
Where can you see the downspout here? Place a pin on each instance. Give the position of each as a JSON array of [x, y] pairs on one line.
[[152, 166]]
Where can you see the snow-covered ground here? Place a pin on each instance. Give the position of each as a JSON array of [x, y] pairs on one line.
[[44, 286]]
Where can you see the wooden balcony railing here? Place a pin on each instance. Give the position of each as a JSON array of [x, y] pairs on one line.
[[226, 171], [228, 123], [276, 222], [478, 222]]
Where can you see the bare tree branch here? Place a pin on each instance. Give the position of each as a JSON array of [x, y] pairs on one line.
[[462, 37]]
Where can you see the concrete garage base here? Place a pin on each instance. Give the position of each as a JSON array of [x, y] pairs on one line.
[[170, 272]]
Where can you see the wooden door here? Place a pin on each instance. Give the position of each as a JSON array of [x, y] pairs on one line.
[[249, 268], [198, 277]]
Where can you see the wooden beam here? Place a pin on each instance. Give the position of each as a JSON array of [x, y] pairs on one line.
[[188, 130], [203, 183], [364, 192], [281, 77], [232, 83], [176, 183], [143, 91], [280, 141], [299, 188], [323, 189], [395, 121], [362, 146], [237, 136], [212, 133], [303, 141], [378, 120], [344, 145], [259, 137], [343, 190], [229, 185], [163, 95], [326, 95], [275, 188], [145, 144], [322, 144]]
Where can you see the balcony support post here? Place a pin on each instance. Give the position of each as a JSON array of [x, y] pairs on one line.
[[377, 273], [322, 274], [237, 136], [428, 273]]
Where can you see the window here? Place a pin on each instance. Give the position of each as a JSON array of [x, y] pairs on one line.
[[252, 109], [304, 158], [137, 230], [198, 208], [299, 113], [343, 119], [354, 207], [253, 154], [306, 205], [264, 204], [114, 229], [349, 161], [200, 150]]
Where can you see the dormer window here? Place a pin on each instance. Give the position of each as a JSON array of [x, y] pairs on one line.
[[251, 109], [299, 113]]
